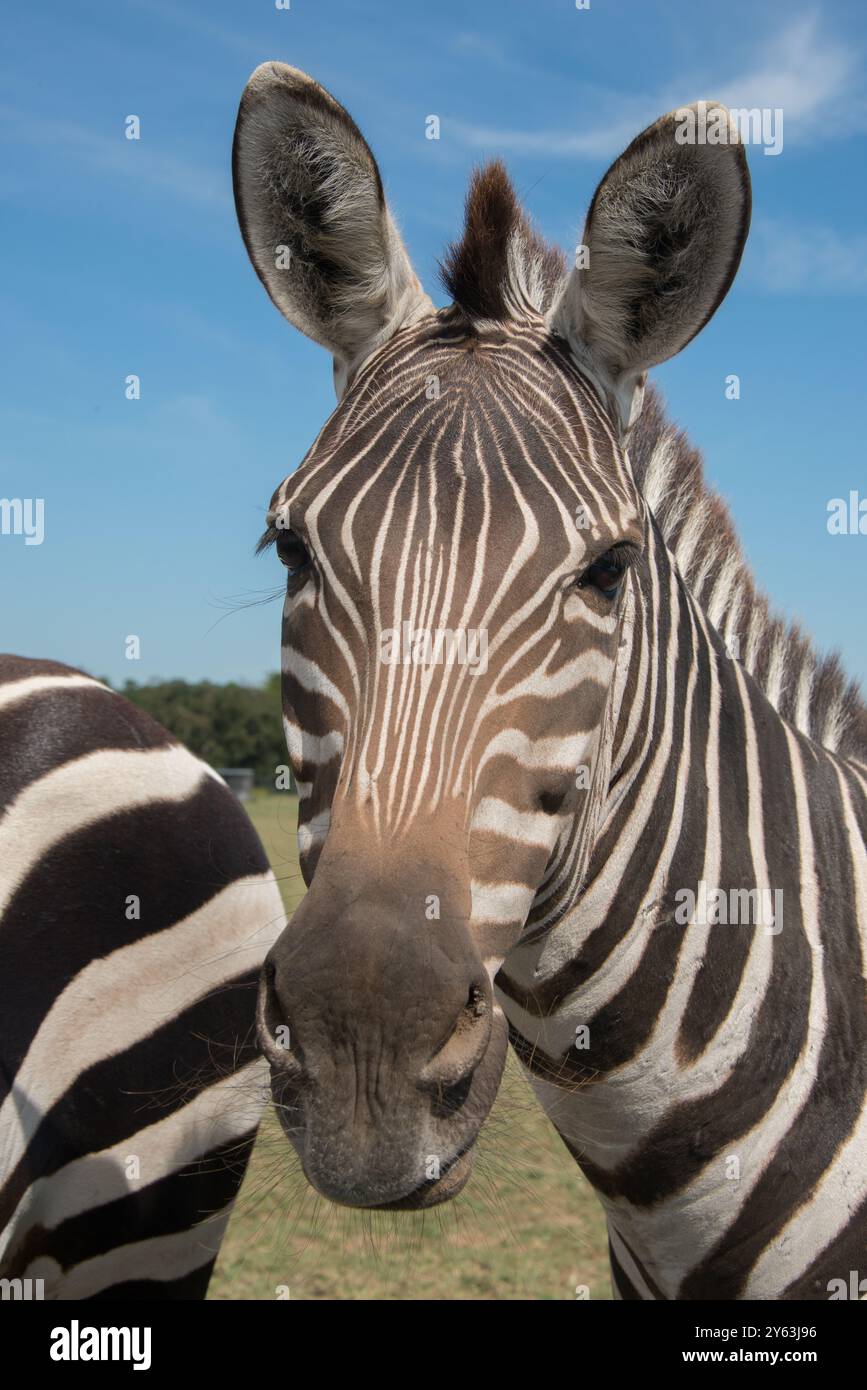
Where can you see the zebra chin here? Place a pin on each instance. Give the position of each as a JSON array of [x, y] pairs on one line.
[[368, 1194], [382, 1077], [388, 1175]]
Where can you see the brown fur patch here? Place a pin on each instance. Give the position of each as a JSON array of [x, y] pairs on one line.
[[476, 271]]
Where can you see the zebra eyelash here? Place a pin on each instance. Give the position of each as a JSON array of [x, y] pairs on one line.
[[622, 556], [626, 553], [267, 539], [273, 534]]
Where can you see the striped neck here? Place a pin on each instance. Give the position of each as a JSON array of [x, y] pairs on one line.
[[670, 1014]]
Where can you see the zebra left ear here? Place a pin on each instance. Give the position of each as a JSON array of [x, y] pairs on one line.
[[663, 240], [315, 220]]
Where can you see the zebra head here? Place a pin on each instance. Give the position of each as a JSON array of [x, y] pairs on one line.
[[461, 544]]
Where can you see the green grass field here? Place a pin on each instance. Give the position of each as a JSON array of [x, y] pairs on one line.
[[526, 1227]]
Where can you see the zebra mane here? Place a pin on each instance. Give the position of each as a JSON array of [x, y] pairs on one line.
[[501, 267], [811, 691]]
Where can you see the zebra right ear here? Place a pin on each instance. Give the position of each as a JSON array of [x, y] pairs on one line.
[[315, 221], [663, 240]]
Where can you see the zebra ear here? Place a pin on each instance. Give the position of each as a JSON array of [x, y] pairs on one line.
[[315, 221], [663, 240]]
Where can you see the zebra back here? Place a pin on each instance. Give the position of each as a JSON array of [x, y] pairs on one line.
[[136, 907]]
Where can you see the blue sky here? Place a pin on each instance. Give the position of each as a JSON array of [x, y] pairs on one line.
[[124, 257]]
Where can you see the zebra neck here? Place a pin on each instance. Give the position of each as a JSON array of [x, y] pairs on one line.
[[663, 945], [686, 1057]]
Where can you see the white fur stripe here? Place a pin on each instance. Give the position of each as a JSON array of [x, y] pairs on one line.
[[15, 691], [119, 999], [220, 1113], [85, 791], [162, 1258], [524, 827]]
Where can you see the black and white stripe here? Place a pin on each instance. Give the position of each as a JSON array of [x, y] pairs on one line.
[[131, 1085]]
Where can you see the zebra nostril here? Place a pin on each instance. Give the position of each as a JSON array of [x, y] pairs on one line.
[[448, 1100], [452, 1066], [273, 1027], [476, 1002]]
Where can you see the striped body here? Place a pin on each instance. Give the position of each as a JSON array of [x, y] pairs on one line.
[[136, 906]]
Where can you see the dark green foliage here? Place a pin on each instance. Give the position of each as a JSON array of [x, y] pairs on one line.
[[228, 725]]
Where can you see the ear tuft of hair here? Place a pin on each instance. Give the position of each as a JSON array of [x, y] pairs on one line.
[[501, 267]]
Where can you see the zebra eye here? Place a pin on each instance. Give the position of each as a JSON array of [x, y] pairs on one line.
[[292, 552], [606, 573]]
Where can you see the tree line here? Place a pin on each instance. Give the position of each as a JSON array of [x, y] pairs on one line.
[[228, 725]]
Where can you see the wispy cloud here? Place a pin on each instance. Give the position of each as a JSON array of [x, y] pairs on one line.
[[195, 414], [471, 45], [804, 70], [806, 259], [118, 157], [203, 28], [808, 73], [587, 145]]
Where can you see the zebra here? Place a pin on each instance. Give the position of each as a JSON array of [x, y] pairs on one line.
[[521, 847], [136, 909]]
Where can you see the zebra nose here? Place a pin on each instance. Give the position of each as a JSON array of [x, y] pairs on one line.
[[452, 1065]]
